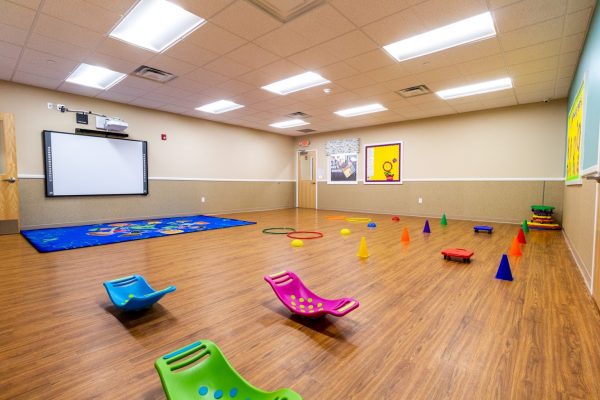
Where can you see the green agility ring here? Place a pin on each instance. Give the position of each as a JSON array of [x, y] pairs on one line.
[[278, 231]]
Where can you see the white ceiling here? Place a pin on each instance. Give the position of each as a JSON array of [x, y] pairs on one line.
[[242, 48]]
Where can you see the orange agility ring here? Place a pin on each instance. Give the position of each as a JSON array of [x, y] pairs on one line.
[[336, 217], [315, 235]]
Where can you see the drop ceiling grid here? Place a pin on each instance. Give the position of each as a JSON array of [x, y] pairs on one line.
[[241, 48]]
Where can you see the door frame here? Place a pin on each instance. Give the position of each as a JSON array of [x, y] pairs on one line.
[[316, 175]]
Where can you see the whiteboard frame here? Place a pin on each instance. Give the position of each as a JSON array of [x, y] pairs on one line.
[[48, 172]]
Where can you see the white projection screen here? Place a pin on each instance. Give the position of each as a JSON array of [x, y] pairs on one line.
[[82, 165]]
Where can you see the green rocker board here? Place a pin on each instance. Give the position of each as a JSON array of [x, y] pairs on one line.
[[200, 371]]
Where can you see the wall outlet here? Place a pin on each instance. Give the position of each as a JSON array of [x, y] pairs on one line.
[[420, 200], [203, 199], [50, 106]]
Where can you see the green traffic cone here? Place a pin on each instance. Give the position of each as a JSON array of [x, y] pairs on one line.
[[525, 226], [443, 222]]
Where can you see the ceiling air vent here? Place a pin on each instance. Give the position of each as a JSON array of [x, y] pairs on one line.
[[298, 114], [414, 91], [306, 130], [285, 11], [153, 74]]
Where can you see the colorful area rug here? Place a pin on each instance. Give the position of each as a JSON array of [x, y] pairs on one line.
[[74, 237]]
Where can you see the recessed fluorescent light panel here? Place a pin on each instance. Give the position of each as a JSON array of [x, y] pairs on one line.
[[368, 109], [219, 107], [477, 88], [95, 77], [155, 25], [289, 123], [466, 31], [296, 83]]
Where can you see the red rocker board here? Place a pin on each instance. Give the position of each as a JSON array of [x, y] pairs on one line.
[[463, 254]]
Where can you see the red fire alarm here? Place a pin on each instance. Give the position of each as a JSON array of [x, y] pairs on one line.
[[163, 136]]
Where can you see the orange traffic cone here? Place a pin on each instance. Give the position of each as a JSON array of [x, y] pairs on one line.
[[363, 252], [515, 249], [521, 236], [405, 236]]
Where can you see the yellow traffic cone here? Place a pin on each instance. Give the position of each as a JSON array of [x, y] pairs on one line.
[[363, 252]]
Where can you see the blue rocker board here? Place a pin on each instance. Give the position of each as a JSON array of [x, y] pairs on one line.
[[483, 228], [133, 293]]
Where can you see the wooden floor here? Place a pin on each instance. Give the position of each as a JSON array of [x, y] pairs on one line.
[[426, 328]]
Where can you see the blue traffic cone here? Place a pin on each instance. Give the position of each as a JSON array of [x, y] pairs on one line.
[[426, 227], [504, 269]]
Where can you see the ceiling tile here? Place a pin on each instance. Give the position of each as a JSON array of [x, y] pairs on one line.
[[246, 20], [575, 5], [350, 45], [252, 56], [118, 49], [191, 53], [284, 41], [530, 53], [571, 58], [533, 34], [371, 90], [147, 103], [391, 72], [188, 84], [361, 12], [36, 80], [371, 60], [116, 64], [36, 62], [227, 67], [314, 57], [13, 35], [232, 88], [396, 27], [568, 71], [540, 65], [544, 76], [204, 8], [171, 65], [206, 77], [173, 108], [436, 13], [578, 22], [129, 91], [321, 24], [58, 47], [33, 4], [140, 83], [336, 71], [574, 42], [8, 50], [211, 37], [82, 13], [15, 15], [111, 95], [7, 66], [472, 51], [117, 6], [78, 89], [173, 91], [522, 14], [253, 96], [481, 64], [494, 4], [355, 82], [271, 73], [57, 29]]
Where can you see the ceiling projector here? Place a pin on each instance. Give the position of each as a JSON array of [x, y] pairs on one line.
[[111, 123]]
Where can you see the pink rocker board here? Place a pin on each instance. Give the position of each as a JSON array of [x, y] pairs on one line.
[[300, 300]]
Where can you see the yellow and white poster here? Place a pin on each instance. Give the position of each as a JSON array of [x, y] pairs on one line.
[[383, 163], [574, 138]]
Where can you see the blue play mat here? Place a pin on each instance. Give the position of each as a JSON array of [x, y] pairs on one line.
[[74, 237]]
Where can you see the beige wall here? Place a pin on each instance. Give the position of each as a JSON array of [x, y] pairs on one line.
[[514, 142], [579, 224], [234, 168], [490, 165], [195, 148]]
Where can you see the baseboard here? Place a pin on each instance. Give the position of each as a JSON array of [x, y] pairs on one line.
[[587, 279]]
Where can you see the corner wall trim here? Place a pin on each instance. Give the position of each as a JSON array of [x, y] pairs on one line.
[[586, 278]]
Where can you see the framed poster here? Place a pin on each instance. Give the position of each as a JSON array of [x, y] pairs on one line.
[[342, 168], [383, 163], [575, 138]]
